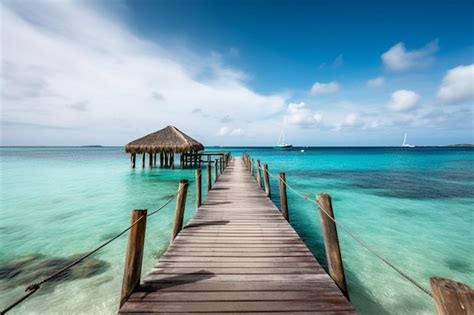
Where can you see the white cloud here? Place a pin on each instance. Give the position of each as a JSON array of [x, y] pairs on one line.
[[403, 100], [300, 114], [233, 132], [458, 85], [60, 53], [322, 88], [350, 121], [376, 82], [398, 58]]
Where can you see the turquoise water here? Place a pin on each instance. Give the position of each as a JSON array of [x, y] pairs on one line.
[[415, 206]]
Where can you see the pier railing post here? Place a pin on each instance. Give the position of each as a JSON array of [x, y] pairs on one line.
[[221, 165], [179, 210], [283, 197], [259, 175], [209, 179], [267, 181], [452, 297], [134, 258], [216, 173], [198, 188], [251, 167], [331, 242]]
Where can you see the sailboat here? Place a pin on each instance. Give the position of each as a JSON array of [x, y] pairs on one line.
[[405, 144], [281, 142]]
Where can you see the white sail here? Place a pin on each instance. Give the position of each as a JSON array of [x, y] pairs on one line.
[[405, 144]]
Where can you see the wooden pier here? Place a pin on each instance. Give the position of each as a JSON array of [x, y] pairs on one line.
[[237, 255]]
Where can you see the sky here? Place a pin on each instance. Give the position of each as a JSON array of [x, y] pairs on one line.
[[328, 73]]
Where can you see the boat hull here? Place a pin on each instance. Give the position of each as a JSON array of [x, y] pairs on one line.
[[283, 147]]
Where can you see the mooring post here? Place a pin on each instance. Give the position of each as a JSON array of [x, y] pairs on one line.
[[198, 188], [266, 178], [259, 175], [452, 297], [179, 210], [209, 179], [283, 197], [215, 171], [331, 242], [134, 258]]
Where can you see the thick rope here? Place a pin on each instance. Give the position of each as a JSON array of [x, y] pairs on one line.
[[31, 289], [354, 237]]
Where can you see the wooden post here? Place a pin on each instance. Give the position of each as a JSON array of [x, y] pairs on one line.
[[161, 159], [267, 180], [331, 242], [172, 160], [259, 175], [154, 160], [283, 197], [134, 158], [179, 210], [209, 180], [143, 159], [452, 297], [198, 188], [134, 258], [221, 165], [251, 167], [215, 171], [150, 158]]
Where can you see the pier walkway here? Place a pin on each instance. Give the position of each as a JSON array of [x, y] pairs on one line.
[[237, 255]]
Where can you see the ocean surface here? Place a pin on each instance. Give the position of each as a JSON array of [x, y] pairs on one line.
[[414, 206]]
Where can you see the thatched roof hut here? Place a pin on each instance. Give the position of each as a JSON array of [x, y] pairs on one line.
[[166, 140]]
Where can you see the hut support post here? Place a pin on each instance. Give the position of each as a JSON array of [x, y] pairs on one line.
[[209, 180], [267, 181], [198, 188], [134, 258], [161, 159], [331, 242], [215, 171], [143, 159], [134, 158], [283, 197], [150, 158], [452, 297], [179, 210]]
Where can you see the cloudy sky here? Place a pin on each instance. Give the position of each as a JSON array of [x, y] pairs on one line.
[[234, 73]]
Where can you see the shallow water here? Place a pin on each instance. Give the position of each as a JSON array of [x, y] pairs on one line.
[[415, 206]]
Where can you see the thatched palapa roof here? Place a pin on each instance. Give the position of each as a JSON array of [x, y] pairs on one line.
[[169, 139]]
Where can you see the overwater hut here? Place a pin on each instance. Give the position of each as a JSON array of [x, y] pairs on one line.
[[166, 142]]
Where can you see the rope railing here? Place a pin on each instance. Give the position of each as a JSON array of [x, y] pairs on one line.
[[32, 288], [362, 243]]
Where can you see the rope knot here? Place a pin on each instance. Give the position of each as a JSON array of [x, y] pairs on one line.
[[33, 287]]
